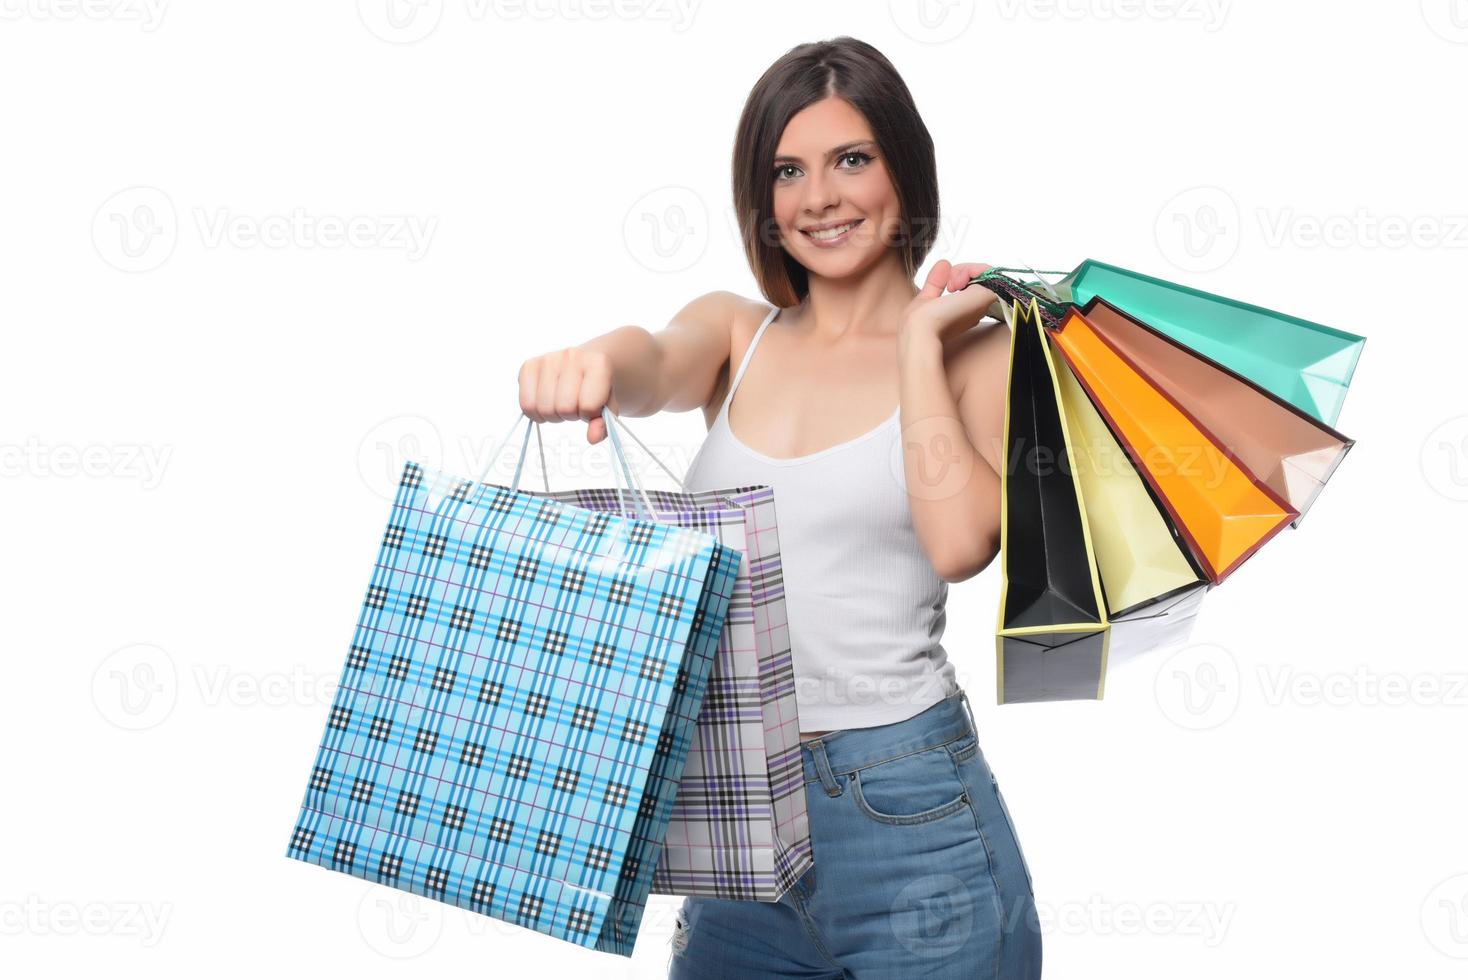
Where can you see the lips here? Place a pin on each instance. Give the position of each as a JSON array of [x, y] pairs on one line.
[[831, 232]]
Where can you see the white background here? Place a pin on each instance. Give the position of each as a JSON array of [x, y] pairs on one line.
[[206, 395]]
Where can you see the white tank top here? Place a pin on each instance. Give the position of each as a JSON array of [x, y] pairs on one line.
[[865, 607]]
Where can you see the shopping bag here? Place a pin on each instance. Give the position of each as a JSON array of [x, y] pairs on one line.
[[1306, 364], [516, 706], [739, 828], [1291, 451], [1053, 631], [1223, 510], [1152, 588]]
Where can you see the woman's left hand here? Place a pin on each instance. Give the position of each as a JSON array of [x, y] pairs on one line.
[[946, 315]]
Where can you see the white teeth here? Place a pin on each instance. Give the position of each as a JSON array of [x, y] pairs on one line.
[[830, 233]]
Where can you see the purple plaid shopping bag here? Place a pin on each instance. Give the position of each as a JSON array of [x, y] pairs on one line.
[[739, 828]]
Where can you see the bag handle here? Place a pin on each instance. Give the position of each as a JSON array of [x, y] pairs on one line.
[[615, 444], [681, 481]]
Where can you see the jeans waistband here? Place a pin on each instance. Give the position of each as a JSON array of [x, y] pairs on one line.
[[849, 749]]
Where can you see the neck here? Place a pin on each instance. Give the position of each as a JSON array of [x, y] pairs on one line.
[[868, 303]]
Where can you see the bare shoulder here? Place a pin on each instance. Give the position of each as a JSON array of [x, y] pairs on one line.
[[719, 310], [712, 331]]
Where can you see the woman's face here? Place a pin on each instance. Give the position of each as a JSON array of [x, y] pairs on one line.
[[835, 205]]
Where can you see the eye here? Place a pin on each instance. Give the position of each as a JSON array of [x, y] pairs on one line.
[[861, 159], [780, 171]]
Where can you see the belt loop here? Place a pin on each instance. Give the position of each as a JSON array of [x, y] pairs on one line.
[[968, 710], [823, 766]]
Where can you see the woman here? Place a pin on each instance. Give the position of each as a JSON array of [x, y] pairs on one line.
[[874, 408]]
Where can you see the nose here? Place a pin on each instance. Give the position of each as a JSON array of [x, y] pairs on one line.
[[820, 194]]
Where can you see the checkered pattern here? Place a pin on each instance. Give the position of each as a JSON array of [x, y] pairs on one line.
[[739, 828], [499, 742]]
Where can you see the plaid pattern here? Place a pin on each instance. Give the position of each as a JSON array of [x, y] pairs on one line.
[[739, 828], [518, 699]]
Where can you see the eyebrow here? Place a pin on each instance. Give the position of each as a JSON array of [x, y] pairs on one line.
[[830, 154]]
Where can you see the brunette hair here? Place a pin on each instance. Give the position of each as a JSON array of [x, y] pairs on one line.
[[857, 72]]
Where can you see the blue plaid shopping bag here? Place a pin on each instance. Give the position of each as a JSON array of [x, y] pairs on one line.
[[517, 705]]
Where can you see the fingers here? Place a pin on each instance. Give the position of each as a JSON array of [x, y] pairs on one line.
[[937, 278], [567, 385], [959, 278]]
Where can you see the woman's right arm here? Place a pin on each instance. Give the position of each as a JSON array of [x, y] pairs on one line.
[[633, 371]]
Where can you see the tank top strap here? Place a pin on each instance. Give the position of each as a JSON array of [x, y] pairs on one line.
[[748, 354]]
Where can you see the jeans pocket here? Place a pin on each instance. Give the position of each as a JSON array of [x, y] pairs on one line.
[[914, 789]]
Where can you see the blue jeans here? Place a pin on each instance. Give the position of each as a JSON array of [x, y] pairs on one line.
[[917, 872]]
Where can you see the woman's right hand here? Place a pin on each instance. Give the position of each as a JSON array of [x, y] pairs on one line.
[[568, 384]]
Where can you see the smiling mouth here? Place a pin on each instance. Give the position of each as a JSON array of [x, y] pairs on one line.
[[827, 235]]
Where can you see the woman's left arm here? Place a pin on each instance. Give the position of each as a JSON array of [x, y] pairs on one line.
[[951, 446]]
